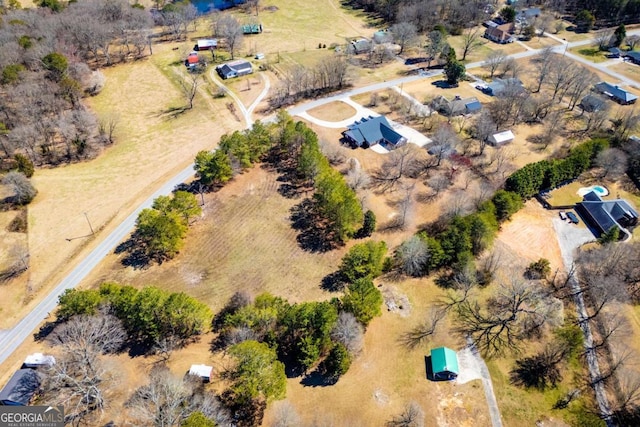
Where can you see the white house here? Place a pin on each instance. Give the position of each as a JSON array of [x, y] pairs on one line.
[[501, 138]]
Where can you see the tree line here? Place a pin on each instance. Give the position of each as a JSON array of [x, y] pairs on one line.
[[46, 68]]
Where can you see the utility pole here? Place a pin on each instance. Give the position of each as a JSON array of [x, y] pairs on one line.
[[87, 217]]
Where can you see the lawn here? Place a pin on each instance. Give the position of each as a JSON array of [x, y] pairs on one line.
[[629, 70], [593, 54], [333, 112], [566, 195]]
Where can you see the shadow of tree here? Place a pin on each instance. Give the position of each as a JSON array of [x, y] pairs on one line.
[[313, 236], [316, 379], [136, 257], [333, 282]]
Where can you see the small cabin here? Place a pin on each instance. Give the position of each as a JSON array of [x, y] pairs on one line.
[[444, 363], [39, 360], [202, 371]]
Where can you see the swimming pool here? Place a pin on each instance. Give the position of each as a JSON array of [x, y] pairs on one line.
[[598, 189]]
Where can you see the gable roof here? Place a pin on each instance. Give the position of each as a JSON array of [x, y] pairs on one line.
[[592, 103], [457, 105], [39, 359], [202, 371], [604, 214], [193, 58], [20, 389], [616, 92], [373, 130], [498, 85], [204, 44], [240, 65], [633, 55], [444, 359]]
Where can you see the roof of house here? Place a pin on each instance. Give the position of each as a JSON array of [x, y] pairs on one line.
[[605, 214], [530, 13], [240, 65], [615, 50], [373, 129], [39, 359], [500, 32], [444, 359], [207, 43], [193, 58], [203, 371], [633, 55], [592, 103], [457, 105], [615, 91], [21, 387], [498, 85], [503, 136]]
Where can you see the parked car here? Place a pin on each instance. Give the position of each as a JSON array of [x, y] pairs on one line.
[[572, 217], [563, 215]]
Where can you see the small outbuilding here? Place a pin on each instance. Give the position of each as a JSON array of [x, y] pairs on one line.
[[206, 44], [20, 389], [202, 371], [444, 363], [192, 60], [252, 29], [501, 138], [39, 360]]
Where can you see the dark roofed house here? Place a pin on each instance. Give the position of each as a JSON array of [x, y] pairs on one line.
[[499, 86], [616, 93], [359, 46], [457, 106], [592, 103], [20, 389], [602, 215], [373, 130], [233, 69], [444, 363], [633, 57], [614, 52], [500, 34]]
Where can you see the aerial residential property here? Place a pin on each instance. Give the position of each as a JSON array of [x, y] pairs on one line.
[[286, 213]]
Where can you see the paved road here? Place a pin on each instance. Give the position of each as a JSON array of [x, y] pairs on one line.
[[487, 385], [11, 339]]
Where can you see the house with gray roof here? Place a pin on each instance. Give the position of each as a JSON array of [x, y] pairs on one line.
[[457, 106], [592, 103], [371, 131], [502, 86], [602, 215], [616, 93], [20, 389], [633, 57], [234, 69]]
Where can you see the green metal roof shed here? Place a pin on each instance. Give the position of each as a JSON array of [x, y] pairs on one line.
[[444, 363]]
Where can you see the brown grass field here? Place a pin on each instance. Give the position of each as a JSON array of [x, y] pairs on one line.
[[333, 112]]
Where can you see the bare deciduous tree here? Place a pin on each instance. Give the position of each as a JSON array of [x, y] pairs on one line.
[[515, 312], [348, 331], [471, 40], [633, 41], [613, 163], [422, 332], [494, 61], [389, 175], [286, 415], [484, 127], [404, 34], [542, 63], [20, 185], [230, 29], [189, 86], [412, 416]]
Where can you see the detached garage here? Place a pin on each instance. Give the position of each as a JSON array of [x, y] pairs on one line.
[[444, 363]]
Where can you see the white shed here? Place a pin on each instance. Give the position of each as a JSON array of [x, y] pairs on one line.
[[501, 138], [202, 371], [37, 360]]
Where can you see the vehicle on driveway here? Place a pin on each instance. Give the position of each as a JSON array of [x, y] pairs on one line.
[[572, 217], [563, 215]]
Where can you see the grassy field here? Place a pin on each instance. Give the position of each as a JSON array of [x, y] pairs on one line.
[[333, 112], [629, 70], [151, 145], [593, 54]]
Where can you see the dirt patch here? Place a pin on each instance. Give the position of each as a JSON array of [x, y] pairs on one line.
[[530, 236], [333, 112], [395, 301]]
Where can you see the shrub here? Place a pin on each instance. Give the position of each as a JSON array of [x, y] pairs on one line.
[[363, 300], [337, 362], [24, 165], [538, 270]]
